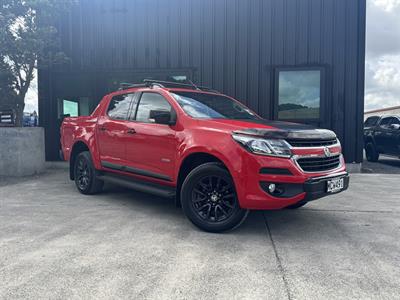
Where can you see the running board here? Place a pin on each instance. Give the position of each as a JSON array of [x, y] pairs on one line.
[[138, 185]]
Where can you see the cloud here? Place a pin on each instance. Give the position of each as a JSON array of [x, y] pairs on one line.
[[382, 68], [387, 5], [374, 100]]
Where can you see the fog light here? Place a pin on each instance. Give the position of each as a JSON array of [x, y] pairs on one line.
[[272, 187]]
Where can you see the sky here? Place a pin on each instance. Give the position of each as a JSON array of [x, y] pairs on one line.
[[382, 66]]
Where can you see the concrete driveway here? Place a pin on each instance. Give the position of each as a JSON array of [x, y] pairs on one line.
[[57, 243]]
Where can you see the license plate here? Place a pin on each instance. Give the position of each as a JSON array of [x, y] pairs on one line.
[[335, 185]]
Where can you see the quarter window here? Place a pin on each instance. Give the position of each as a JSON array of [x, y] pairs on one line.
[[119, 106], [299, 94], [149, 102]]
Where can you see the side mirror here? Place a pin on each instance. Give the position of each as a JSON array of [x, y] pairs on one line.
[[394, 126], [162, 117]]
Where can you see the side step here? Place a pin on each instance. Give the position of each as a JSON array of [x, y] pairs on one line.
[[138, 185]]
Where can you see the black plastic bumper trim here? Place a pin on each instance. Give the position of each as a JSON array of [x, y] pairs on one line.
[[135, 171], [314, 188], [275, 171]]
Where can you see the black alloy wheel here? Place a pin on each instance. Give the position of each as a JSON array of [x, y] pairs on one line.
[[214, 199], [85, 175], [209, 199]]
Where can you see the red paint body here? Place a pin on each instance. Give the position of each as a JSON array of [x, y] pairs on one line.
[[152, 144]]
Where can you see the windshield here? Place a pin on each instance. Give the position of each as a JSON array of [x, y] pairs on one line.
[[210, 106]]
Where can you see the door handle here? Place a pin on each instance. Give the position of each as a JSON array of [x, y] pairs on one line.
[[103, 128], [131, 131]]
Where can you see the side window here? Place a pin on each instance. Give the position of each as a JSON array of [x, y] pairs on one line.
[[119, 106], [370, 121], [385, 122], [394, 121], [149, 102]]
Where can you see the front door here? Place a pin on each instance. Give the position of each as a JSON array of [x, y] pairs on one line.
[[113, 132], [393, 136], [151, 151], [380, 133]]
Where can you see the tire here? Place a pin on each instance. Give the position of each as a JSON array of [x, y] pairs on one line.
[[209, 199], [371, 153], [86, 180], [297, 205]]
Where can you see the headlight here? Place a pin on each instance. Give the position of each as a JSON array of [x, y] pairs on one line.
[[272, 147]]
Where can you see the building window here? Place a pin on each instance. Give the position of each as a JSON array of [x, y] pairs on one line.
[[70, 108], [299, 94]]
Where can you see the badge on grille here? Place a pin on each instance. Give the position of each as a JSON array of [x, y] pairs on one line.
[[327, 152]]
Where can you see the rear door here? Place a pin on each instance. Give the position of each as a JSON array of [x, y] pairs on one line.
[[151, 150], [113, 131]]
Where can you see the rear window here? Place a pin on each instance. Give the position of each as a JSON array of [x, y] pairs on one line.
[[371, 121], [119, 107]]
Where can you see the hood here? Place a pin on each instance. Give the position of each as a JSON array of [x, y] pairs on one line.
[[275, 129]]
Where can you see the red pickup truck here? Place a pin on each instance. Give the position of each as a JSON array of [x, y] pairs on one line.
[[214, 155]]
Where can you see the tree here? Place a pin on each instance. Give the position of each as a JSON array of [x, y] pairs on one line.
[[27, 35]]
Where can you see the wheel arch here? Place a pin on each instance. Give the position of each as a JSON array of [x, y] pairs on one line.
[[192, 161], [77, 148]]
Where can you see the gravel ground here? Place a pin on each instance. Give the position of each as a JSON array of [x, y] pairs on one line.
[[56, 243]]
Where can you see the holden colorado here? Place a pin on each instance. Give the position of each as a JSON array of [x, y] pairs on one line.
[[213, 155]]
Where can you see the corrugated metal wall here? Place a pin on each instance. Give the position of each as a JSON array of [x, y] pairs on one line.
[[234, 46]]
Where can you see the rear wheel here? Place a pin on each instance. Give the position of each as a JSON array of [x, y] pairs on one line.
[[209, 199], [85, 175], [371, 153]]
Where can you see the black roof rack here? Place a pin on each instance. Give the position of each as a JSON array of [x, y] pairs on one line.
[[165, 84]]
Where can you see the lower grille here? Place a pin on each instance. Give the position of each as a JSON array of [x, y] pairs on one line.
[[318, 164]]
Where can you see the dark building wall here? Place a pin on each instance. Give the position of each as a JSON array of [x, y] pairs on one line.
[[235, 46]]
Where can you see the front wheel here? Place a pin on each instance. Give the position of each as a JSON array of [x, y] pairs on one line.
[[209, 199], [85, 175], [371, 153]]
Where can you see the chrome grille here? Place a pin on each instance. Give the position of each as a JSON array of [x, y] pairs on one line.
[[311, 143], [317, 164]]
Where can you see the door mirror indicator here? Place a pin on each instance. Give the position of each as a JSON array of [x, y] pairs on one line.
[[162, 117]]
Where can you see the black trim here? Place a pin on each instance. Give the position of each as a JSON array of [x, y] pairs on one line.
[[139, 185], [135, 171], [275, 171], [316, 187], [283, 190], [290, 131]]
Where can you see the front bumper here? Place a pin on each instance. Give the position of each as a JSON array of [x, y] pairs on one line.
[[257, 172], [315, 188]]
